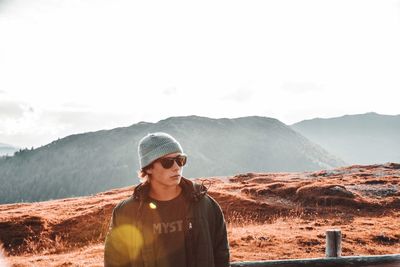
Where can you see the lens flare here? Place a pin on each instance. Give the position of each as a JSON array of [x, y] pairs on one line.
[[125, 241]]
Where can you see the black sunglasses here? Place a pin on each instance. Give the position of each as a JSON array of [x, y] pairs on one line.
[[169, 162]]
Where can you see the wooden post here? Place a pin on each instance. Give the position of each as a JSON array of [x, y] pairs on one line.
[[333, 243]]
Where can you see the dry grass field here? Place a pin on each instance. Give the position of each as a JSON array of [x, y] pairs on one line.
[[269, 215]]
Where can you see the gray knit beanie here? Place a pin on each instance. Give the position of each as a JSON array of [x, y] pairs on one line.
[[156, 145]]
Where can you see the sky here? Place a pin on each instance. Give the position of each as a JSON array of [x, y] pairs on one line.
[[73, 66]]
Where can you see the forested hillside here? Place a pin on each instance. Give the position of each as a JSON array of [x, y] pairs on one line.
[[88, 163]]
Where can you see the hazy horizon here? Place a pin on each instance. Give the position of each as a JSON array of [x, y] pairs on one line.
[[4, 143]]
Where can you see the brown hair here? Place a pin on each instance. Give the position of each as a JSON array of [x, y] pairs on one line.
[[142, 173]]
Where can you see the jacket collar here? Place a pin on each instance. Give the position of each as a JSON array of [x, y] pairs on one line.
[[192, 191]]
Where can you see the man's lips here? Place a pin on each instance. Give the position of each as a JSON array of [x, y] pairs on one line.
[[176, 176]]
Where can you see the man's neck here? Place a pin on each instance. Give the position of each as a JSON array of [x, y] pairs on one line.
[[164, 193]]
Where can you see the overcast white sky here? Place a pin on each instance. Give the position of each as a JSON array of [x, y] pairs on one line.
[[71, 66]]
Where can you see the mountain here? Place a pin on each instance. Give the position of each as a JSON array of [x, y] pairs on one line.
[[269, 216], [7, 150], [357, 139], [88, 163]]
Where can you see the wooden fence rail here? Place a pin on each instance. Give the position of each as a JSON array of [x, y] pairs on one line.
[[365, 261], [333, 257]]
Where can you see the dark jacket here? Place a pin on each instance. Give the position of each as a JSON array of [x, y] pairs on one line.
[[128, 243]]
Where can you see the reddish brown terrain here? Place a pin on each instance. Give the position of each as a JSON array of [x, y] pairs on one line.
[[270, 216]]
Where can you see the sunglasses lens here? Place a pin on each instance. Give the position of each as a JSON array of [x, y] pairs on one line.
[[169, 162], [180, 160]]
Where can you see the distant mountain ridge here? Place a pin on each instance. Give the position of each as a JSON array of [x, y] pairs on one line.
[[6, 149], [92, 162], [368, 138]]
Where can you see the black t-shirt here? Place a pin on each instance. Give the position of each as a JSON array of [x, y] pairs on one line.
[[167, 221]]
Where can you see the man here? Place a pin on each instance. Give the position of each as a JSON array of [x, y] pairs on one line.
[[169, 221]]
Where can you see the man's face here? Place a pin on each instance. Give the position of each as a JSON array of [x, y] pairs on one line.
[[165, 177]]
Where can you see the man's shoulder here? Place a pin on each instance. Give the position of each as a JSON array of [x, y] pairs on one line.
[[126, 206], [209, 203]]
